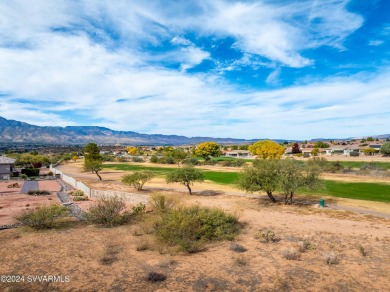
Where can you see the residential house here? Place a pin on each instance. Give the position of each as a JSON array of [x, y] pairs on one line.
[[6, 167], [237, 153]]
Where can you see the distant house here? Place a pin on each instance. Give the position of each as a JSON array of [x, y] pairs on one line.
[[237, 153], [6, 167]]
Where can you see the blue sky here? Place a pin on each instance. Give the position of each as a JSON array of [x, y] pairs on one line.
[[223, 68]]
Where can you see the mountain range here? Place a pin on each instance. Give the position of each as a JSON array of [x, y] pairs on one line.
[[19, 132]]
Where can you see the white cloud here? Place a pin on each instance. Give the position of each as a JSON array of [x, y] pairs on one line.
[[88, 71]]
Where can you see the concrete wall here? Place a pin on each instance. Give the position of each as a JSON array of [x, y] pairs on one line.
[[92, 193]]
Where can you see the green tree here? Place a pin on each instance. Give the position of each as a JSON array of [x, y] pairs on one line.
[[267, 149], [179, 155], [385, 149], [263, 175], [294, 175], [321, 144], [370, 139], [138, 179], [207, 149], [93, 161], [315, 152], [186, 176]]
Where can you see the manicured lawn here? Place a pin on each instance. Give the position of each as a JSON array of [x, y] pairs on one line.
[[215, 176], [360, 191]]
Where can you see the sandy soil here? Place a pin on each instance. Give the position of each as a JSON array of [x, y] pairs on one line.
[[13, 204], [76, 252]]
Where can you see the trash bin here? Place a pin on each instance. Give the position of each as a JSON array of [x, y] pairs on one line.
[[322, 203]]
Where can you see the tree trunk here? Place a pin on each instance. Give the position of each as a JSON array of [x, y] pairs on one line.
[[189, 189], [291, 197], [100, 178], [271, 197]]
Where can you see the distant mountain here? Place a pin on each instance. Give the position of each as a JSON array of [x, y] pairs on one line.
[[18, 132]]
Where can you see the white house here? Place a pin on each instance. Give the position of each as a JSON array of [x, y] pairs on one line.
[[6, 167], [237, 153]]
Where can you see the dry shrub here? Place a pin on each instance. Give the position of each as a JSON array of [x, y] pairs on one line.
[[162, 203], [110, 255], [331, 258], [143, 245], [155, 277], [237, 247], [108, 211], [290, 253], [305, 245], [266, 235], [241, 261], [191, 227], [44, 217]]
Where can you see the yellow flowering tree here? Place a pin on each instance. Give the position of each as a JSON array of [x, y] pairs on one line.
[[267, 149]]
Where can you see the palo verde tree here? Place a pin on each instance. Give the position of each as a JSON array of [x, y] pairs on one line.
[[186, 176], [207, 149], [138, 179], [267, 149], [385, 149], [93, 161], [263, 175]]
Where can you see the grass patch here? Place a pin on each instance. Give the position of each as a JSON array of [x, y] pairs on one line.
[[360, 191], [191, 227]]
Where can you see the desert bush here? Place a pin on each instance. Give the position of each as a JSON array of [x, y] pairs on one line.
[[108, 211], [237, 247], [50, 173], [290, 253], [191, 227], [137, 159], [38, 193], [266, 235], [143, 245], [110, 255], [80, 198], [161, 203], [233, 163], [138, 209], [23, 176], [331, 258], [305, 245], [191, 160], [43, 217], [78, 193], [155, 277]]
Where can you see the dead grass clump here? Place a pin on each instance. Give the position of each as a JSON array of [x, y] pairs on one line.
[[305, 245], [241, 261], [290, 253], [266, 235], [161, 203], [237, 247], [331, 258], [155, 277], [143, 245], [137, 232], [362, 250], [110, 255]]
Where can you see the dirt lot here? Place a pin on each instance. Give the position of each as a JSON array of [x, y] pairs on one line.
[[76, 252], [12, 203], [361, 244]]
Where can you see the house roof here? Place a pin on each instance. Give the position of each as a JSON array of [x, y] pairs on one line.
[[6, 160]]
